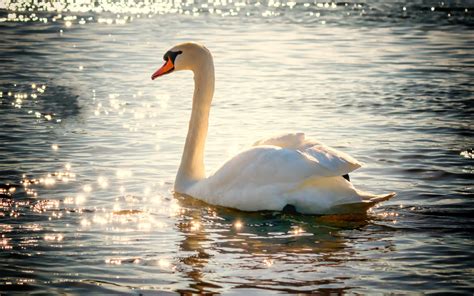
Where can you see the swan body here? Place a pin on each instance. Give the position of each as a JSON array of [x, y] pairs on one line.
[[278, 171]]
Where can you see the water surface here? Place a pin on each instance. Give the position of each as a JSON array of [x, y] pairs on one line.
[[90, 145]]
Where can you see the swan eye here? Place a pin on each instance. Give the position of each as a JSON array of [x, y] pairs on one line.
[[171, 55]]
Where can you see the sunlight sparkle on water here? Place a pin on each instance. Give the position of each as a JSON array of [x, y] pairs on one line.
[[146, 191], [468, 154], [85, 222], [175, 209], [87, 188], [238, 225], [80, 199], [53, 237], [69, 200], [163, 263], [123, 174], [100, 220], [5, 243], [103, 182], [48, 181], [122, 204], [268, 262], [195, 226], [113, 261]]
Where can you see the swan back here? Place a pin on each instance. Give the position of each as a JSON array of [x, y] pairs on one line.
[[336, 162]]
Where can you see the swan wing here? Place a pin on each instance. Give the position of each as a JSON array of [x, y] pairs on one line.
[[269, 165], [291, 141], [338, 162], [255, 178], [269, 177]]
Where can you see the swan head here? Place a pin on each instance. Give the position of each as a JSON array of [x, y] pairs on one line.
[[184, 56]]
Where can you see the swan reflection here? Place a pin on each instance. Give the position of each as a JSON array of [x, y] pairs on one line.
[[265, 243]]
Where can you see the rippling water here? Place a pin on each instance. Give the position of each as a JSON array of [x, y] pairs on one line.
[[90, 145]]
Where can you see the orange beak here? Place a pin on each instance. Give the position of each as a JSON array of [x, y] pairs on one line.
[[168, 67]]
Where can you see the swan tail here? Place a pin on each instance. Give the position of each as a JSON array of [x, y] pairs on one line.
[[332, 195], [375, 198], [368, 200]]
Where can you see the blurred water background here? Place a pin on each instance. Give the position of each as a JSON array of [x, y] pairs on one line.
[[90, 145]]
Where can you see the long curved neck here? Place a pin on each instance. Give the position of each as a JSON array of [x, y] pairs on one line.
[[192, 169]]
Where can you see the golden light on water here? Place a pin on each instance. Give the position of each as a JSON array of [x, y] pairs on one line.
[[268, 262], [123, 12], [85, 222], [48, 181], [146, 191], [69, 200], [54, 237], [124, 140], [113, 261], [100, 220], [5, 243], [467, 154], [195, 226], [117, 207], [123, 173], [393, 216], [87, 188], [80, 199], [297, 231], [238, 225], [164, 263], [175, 209], [103, 182]]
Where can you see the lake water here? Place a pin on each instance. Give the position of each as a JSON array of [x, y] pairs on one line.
[[90, 145]]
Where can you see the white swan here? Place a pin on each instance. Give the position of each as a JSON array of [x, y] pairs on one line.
[[275, 172]]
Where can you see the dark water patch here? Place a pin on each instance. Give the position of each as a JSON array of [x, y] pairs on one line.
[[440, 175], [437, 220]]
